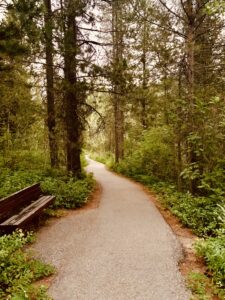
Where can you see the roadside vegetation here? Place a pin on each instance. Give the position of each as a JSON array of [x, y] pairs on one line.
[[19, 270]]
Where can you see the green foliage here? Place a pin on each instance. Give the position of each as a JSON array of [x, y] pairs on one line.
[[212, 182], [84, 162], [105, 159], [11, 182], [18, 270], [69, 192], [39, 269], [197, 282], [202, 214], [156, 153], [215, 6], [203, 288], [152, 156], [213, 250]]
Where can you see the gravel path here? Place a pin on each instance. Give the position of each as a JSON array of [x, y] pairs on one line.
[[122, 250]]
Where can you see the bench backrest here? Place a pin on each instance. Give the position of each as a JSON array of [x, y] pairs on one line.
[[19, 199]]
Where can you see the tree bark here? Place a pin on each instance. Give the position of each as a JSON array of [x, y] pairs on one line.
[[51, 119], [190, 51], [117, 29], [71, 99], [144, 70]]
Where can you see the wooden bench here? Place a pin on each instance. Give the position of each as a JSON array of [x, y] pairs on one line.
[[19, 208]]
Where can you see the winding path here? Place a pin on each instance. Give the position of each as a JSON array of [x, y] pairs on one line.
[[122, 250]]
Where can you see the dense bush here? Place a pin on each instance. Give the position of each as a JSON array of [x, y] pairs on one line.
[[12, 181], [18, 270], [154, 155], [69, 192], [202, 214]]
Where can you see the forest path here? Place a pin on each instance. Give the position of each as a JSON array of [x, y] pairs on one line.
[[121, 250]]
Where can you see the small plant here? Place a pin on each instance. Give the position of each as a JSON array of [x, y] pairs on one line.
[[55, 213], [203, 287], [197, 282], [39, 269]]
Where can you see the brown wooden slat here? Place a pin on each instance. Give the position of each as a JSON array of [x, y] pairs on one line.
[[26, 210], [19, 198], [27, 213], [17, 194], [34, 209]]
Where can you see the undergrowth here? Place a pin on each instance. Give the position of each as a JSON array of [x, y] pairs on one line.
[[203, 287], [70, 192], [19, 270]]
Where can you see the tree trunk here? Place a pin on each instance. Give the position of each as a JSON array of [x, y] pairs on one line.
[[144, 70], [190, 51], [179, 134], [119, 130], [117, 29], [71, 99], [51, 122]]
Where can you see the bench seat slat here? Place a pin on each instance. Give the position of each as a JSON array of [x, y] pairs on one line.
[[19, 198], [35, 186], [28, 212]]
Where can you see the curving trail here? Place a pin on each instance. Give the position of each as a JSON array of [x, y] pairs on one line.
[[122, 250]]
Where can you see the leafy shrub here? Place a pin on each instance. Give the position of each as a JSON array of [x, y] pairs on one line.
[[152, 156], [202, 214], [203, 287], [12, 181], [213, 181], [69, 192], [213, 250], [24, 159], [18, 270]]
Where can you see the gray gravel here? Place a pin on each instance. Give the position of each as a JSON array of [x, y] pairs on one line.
[[121, 250]]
